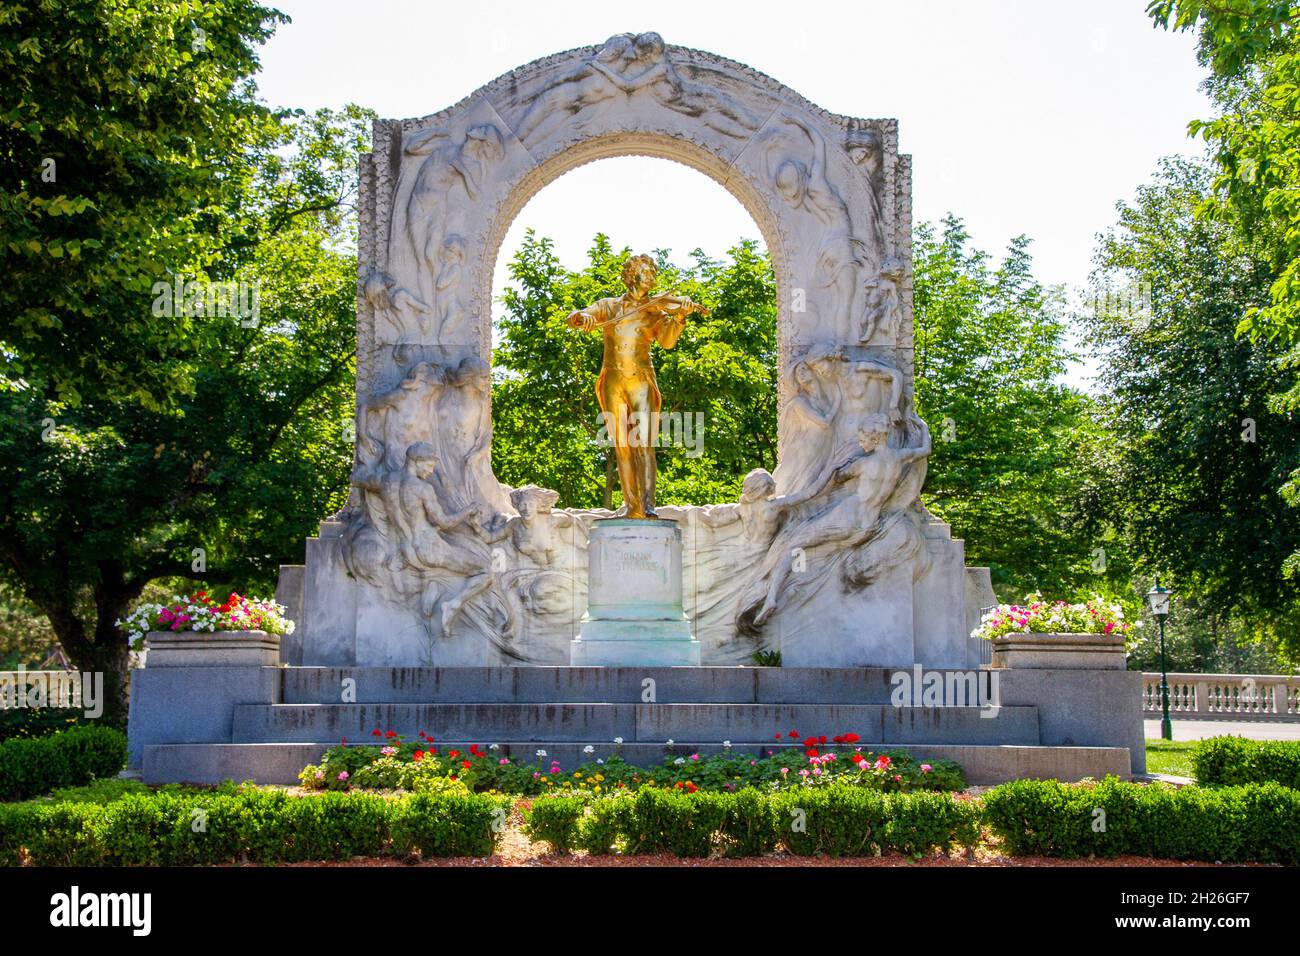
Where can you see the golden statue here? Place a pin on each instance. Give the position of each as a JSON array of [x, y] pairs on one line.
[[626, 389]]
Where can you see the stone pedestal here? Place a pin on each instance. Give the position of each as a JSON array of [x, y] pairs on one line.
[[634, 597]]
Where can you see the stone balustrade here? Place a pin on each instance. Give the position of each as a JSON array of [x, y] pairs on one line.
[[1252, 696]]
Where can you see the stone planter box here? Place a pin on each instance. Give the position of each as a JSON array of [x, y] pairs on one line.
[[216, 649], [1060, 651]]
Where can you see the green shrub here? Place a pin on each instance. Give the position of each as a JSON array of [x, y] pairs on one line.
[[606, 819], [246, 824], [32, 766], [1256, 822], [752, 826], [555, 821], [1231, 761]]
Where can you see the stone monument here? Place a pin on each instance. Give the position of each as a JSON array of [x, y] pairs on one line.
[[831, 559]]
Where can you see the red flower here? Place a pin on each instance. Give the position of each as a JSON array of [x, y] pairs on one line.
[[838, 738], [690, 787], [418, 756], [376, 732], [453, 754], [810, 752], [778, 737], [851, 738], [821, 739], [794, 735], [391, 734], [345, 741]]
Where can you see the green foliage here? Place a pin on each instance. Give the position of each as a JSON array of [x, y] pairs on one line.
[[555, 821], [147, 132], [545, 415], [1200, 454], [109, 494], [1254, 823], [838, 820], [1252, 48], [1229, 761], [246, 824], [1011, 445], [32, 766]]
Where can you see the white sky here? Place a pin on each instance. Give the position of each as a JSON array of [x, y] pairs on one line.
[[1021, 116]]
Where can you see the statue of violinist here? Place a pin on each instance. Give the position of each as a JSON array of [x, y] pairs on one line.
[[626, 389]]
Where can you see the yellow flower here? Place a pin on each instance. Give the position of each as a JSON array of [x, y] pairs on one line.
[[576, 774], [600, 776]]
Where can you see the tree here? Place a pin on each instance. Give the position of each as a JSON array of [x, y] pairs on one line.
[[1201, 452], [124, 132], [1011, 444], [1252, 48], [220, 483], [722, 373]]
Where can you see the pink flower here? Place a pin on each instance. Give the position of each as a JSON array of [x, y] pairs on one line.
[[503, 761], [343, 775], [926, 768]]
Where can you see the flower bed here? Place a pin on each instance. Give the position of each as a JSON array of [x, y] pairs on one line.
[[203, 614], [404, 765], [1037, 616]]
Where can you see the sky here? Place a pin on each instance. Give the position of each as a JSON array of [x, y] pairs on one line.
[[1021, 116]]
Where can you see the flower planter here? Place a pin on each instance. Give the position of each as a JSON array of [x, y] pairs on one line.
[[1060, 651], [212, 649]]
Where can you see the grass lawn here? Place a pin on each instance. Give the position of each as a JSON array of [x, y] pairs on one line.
[[1170, 756]]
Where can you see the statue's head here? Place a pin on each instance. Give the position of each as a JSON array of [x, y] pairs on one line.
[[758, 484], [484, 142], [873, 431], [474, 371], [422, 458], [802, 375], [532, 500], [639, 274]]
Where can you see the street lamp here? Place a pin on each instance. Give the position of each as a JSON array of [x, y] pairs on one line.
[[1158, 601]]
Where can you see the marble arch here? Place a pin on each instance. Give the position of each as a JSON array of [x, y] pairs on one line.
[[433, 561]]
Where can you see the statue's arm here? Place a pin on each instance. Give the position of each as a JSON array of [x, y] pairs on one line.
[[585, 320]]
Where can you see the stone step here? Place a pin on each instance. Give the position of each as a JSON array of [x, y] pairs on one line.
[[488, 723], [627, 685], [280, 763]]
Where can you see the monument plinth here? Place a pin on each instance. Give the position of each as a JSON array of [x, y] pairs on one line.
[[634, 597]]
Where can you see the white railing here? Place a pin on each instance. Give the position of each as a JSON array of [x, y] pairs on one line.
[[40, 689], [1253, 696]]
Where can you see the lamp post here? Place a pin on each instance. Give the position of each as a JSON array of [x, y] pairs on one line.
[[1158, 601]]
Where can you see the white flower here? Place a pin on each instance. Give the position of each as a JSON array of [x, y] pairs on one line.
[[679, 761], [494, 746], [670, 742], [589, 749], [618, 740], [600, 760], [541, 753], [727, 744]]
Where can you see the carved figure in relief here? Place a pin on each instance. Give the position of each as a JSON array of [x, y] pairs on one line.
[[424, 525], [626, 65], [449, 167], [800, 178], [873, 475], [866, 151], [884, 303], [396, 310], [760, 510], [807, 421]]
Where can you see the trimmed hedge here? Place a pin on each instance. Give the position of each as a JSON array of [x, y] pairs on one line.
[[1230, 761], [247, 825], [1256, 822], [32, 766], [835, 820]]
